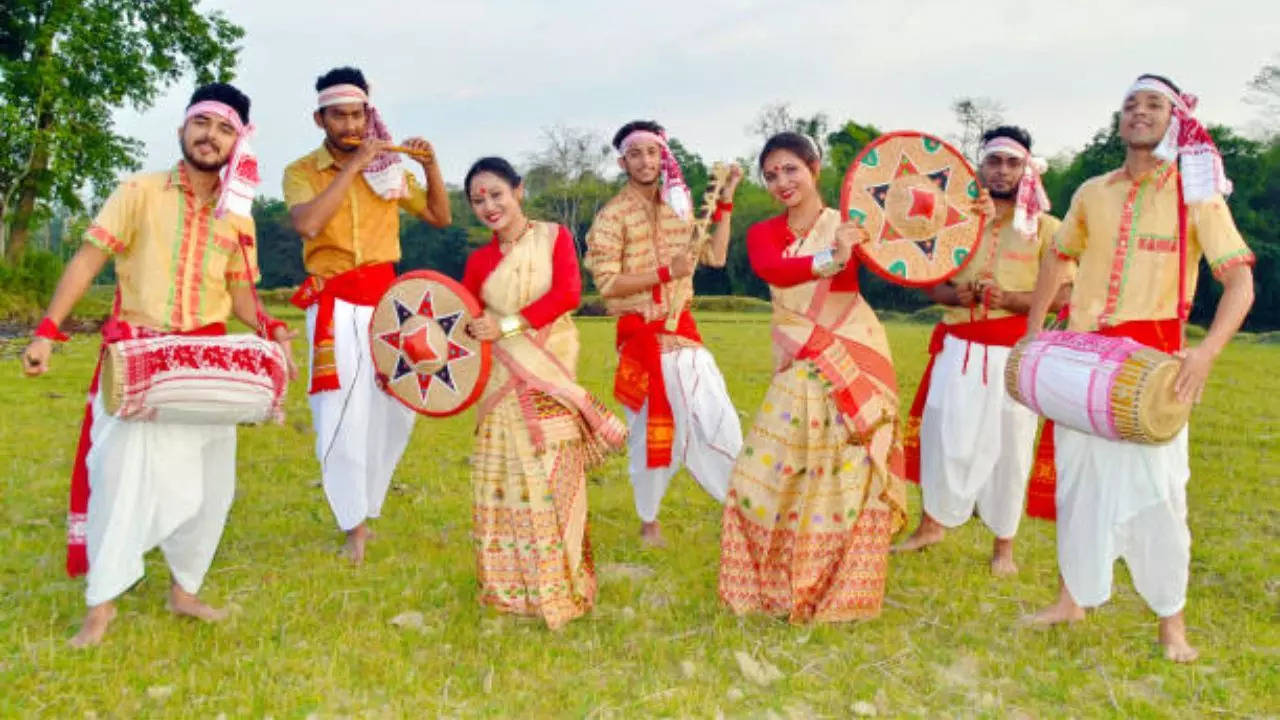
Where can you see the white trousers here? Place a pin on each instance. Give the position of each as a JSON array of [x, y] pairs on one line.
[[1123, 500], [708, 434], [977, 443], [155, 484], [361, 431]]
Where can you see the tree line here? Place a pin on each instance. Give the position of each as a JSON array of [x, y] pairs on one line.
[[60, 154]]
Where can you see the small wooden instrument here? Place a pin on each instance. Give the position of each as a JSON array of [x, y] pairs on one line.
[[683, 293], [423, 155]]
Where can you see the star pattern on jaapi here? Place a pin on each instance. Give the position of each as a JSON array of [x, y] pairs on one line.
[[923, 203], [412, 347]]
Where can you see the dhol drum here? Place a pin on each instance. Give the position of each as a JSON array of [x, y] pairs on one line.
[[1112, 387], [194, 380]]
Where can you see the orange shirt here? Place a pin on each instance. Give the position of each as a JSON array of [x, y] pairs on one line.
[[366, 228], [1008, 256], [635, 234], [1123, 232], [174, 261]]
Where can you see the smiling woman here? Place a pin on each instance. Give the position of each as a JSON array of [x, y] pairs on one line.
[[817, 492], [539, 431]]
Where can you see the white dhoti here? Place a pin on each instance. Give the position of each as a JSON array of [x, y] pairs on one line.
[[361, 431], [155, 484], [708, 434], [1123, 500], [977, 443]]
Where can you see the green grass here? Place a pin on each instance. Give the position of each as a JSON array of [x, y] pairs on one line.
[[311, 636]]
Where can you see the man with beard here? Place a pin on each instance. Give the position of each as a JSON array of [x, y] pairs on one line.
[[638, 251], [345, 198], [968, 443], [182, 242], [1137, 234]]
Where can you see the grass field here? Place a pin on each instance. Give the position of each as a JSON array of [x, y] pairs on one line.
[[311, 636]]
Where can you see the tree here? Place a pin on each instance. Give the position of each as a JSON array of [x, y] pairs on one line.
[[976, 115], [65, 66], [848, 141], [1264, 92], [565, 180], [775, 118]]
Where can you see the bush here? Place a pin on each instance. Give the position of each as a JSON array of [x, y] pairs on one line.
[[27, 285]]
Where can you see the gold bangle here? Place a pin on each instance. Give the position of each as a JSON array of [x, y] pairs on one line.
[[509, 325]]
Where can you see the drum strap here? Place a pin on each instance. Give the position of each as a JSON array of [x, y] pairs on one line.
[[1184, 304]]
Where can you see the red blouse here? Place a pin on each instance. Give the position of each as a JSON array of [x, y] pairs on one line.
[[765, 242], [566, 283]]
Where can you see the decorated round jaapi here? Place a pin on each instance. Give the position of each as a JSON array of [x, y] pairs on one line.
[[914, 193], [423, 355]]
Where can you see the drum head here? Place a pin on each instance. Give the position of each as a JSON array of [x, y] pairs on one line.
[[422, 353], [912, 191]]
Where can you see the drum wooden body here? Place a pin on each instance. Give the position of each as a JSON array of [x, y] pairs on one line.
[[215, 380], [1111, 387]]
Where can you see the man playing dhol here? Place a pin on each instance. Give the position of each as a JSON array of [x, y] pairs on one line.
[[182, 242], [1137, 234]]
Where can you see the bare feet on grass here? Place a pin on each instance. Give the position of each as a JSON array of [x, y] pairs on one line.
[[930, 532], [1173, 638], [651, 535], [1065, 610], [1002, 564], [94, 625], [357, 538], [186, 604]]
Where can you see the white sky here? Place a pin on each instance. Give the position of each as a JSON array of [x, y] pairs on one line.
[[484, 77]]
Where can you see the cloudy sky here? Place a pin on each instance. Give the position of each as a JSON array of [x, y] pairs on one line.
[[487, 76]]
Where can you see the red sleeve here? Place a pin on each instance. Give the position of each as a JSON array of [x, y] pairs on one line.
[[847, 279], [566, 285], [765, 243], [479, 264]]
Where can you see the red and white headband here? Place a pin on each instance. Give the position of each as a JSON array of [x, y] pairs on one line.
[[342, 94], [1187, 140], [238, 179], [675, 192], [1030, 198]]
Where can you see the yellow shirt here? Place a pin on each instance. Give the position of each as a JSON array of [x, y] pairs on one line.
[[634, 234], [1008, 256], [366, 228], [174, 261], [1123, 232]]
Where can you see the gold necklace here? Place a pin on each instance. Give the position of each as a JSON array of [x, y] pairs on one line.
[[808, 229], [505, 245]]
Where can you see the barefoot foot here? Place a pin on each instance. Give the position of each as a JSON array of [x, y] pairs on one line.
[[930, 532], [651, 535], [1064, 611], [1173, 638], [1002, 564], [185, 604], [94, 625], [357, 537]]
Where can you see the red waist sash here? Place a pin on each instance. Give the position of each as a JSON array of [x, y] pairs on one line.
[[1002, 332], [364, 285], [639, 378]]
